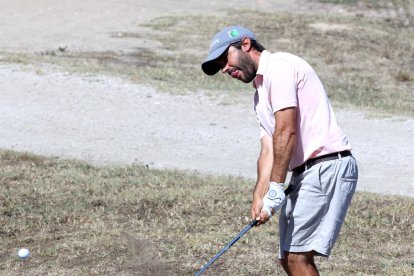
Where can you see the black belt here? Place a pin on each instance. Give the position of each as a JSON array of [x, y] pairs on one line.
[[332, 156]]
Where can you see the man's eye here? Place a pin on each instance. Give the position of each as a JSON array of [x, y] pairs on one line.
[[222, 62]]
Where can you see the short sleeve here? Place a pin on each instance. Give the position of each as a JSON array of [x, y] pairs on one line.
[[262, 132], [283, 85]]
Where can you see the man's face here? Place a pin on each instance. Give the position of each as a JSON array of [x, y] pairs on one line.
[[238, 64]]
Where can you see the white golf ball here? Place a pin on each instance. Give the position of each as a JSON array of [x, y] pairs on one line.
[[23, 253]]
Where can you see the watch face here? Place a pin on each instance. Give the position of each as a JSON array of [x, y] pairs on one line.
[[272, 194]]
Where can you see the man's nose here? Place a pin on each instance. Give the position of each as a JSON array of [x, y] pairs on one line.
[[225, 69]]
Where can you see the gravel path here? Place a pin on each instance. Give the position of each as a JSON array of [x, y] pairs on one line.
[[111, 121]]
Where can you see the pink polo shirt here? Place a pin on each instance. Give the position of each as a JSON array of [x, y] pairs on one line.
[[285, 80]]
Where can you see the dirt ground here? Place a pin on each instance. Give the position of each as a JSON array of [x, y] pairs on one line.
[[110, 121]]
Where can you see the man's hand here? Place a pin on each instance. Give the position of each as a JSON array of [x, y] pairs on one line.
[[263, 209], [274, 198], [257, 206], [257, 211]]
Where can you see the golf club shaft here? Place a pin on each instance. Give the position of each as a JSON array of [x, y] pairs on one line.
[[247, 228]]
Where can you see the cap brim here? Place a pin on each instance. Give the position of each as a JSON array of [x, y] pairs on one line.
[[210, 66]]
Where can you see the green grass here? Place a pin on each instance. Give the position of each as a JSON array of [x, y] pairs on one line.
[[79, 219]]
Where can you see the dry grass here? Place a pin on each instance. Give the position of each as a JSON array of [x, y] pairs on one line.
[[398, 12], [363, 62], [367, 62], [79, 219]]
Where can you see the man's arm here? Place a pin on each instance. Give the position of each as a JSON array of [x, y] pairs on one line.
[[284, 140], [274, 159], [264, 169]]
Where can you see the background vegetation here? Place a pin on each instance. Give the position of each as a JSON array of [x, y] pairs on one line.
[[364, 61]]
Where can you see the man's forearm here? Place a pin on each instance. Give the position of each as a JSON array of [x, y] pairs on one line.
[[283, 144], [284, 140], [264, 167]]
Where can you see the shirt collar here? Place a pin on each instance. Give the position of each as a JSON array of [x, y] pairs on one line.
[[263, 63]]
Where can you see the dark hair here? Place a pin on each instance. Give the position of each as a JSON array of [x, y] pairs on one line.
[[255, 45]]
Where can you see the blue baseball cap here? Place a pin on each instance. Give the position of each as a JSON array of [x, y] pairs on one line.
[[221, 41]]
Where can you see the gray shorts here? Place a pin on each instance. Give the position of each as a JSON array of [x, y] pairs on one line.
[[311, 218]]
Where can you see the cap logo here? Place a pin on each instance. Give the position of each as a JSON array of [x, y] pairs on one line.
[[234, 33], [214, 42]]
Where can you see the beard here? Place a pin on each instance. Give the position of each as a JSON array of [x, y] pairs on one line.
[[247, 67]]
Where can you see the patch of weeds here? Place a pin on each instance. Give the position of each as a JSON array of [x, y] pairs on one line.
[[403, 76]]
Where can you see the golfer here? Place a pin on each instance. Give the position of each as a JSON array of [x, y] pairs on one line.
[[298, 133]]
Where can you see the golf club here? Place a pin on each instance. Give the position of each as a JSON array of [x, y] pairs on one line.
[[247, 228], [244, 231]]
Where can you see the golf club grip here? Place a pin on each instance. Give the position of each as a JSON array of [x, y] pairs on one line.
[[247, 228]]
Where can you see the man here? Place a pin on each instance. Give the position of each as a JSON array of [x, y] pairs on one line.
[[298, 132]]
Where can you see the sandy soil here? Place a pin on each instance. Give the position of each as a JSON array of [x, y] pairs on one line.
[[108, 120]]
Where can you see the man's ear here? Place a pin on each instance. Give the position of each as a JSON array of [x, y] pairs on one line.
[[246, 44]]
